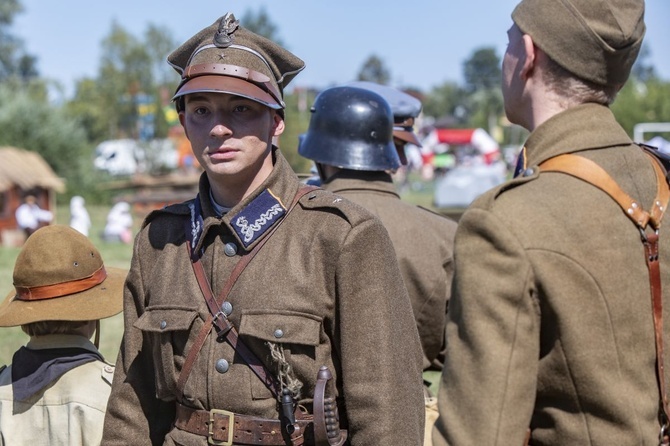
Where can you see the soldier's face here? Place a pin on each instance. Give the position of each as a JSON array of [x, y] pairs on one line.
[[231, 136]]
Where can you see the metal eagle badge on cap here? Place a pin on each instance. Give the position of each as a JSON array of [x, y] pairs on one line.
[[227, 26]]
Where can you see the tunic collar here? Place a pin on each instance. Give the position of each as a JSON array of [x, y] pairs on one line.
[[352, 180], [251, 219], [584, 127]]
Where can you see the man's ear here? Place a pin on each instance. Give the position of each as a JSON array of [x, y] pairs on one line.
[[181, 121], [279, 125], [530, 52]]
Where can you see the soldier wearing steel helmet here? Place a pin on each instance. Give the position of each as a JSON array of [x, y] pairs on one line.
[[356, 135], [554, 323], [261, 312]]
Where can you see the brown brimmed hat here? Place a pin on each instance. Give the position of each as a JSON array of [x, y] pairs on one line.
[[227, 58], [59, 275], [597, 40]]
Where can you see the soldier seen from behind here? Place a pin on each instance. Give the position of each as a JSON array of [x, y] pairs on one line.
[[555, 333], [355, 144]]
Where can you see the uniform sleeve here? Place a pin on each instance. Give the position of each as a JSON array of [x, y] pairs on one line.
[[380, 350], [134, 414], [488, 383]]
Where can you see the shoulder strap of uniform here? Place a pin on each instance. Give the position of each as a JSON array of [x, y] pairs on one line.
[[588, 171], [220, 320]]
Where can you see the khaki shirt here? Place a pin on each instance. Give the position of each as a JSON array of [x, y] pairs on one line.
[[324, 290], [68, 413], [550, 320], [423, 243]]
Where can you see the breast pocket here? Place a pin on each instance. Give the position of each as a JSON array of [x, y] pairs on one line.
[[289, 342], [170, 331]]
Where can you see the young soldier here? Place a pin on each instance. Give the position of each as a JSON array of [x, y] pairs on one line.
[[55, 391], [557, 302], [242, 303], [351, 139]]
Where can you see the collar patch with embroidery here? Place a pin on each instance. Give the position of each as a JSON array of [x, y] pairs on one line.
[[258, 217]]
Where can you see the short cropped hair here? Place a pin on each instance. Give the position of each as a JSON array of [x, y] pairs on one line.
[[579, 90], [42, 328]]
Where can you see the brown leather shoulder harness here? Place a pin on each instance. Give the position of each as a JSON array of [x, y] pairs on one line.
[[648, 223], [220, 426]]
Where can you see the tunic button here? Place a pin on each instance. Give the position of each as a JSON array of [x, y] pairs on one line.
[[528, 172], [230, 249], [109, 369], [227, 308], [163, 325], [279, 333], [222, 366]]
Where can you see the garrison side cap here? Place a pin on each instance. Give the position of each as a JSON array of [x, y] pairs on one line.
[[228, 58], [405, 109], [597, 40]]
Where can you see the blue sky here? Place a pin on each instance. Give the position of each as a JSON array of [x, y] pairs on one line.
[[422, 42]]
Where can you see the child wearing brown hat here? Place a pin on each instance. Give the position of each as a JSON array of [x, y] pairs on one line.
[[56, 389]]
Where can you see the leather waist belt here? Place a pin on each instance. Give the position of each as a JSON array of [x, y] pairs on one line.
[[216, 425]]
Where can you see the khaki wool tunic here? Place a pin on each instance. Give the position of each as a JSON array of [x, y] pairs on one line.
[[550, 320], [324, 290], [423, 242]]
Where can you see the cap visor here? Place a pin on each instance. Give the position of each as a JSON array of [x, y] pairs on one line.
[[101, 301], [230, 85], [406, 136]]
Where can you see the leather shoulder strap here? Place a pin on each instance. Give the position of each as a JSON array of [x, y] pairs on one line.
[[219, 320], [592, 173]]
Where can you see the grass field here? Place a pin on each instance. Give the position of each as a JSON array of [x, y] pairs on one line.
[[118, 255]]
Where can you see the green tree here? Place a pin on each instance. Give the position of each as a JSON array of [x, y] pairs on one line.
[[260, 23], [14, 61], [33, 124], [639, 102], [446, 101], [374, 70], [483, 75]]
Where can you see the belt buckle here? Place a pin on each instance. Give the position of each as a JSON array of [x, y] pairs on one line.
[[231, 421]]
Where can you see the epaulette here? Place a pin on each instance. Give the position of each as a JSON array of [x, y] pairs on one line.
[[171, 209], [487, 198], [107, 373], [323, 199]]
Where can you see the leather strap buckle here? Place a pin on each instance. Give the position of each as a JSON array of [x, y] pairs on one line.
[[231, 422]]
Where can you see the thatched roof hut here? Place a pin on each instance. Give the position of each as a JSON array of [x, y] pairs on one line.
[[23, 172]]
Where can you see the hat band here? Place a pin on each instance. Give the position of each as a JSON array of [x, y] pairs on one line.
[[61, 289], [255, 77]]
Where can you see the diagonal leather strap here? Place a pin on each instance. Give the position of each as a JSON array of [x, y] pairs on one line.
[[224, 327], [587, 170], [590, 172]]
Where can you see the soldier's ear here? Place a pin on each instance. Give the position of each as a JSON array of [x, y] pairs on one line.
[[530, 59]]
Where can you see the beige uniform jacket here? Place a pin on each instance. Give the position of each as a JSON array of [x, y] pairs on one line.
[[550, 320], [68, 413], [423, 243], [325, 289]]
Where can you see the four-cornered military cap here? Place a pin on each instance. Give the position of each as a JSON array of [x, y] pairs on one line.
[[227, 58], [59, 275], [597, 40], [405, 109]]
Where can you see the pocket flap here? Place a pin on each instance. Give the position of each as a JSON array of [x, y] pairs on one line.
[[161, 319], [282, 326]]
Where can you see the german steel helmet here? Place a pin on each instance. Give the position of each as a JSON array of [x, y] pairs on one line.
[[351, 128]]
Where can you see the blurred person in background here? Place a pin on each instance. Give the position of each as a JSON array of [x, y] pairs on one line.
[[79, 218], [119, 226], [30, 217]]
